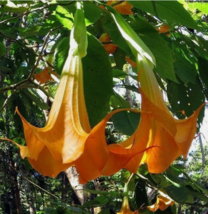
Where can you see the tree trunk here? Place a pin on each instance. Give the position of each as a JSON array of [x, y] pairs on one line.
[[15, 188], [73, 177]]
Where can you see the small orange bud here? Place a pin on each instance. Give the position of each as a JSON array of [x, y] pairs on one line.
[[124, 8], [45, 75], [131, 62], [110, 48], [163, 29], [104, 38]]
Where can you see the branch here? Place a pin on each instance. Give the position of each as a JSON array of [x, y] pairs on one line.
[[34, 183], [39, 8], [16, 86]]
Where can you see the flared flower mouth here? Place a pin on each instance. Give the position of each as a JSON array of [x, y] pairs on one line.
[[163, 202], [56, 146]]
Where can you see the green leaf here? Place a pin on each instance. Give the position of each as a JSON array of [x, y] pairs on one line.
[[92, 13], [184, 69], [185, 98], [119, 74], [203, 72], [11, 7], [30, 31], [1, 100], [172, 11], [179, 194], [97, 81], [202, 6], [64, 17], [61, 53], [116, 101], [97, 202], [159, 48], [98, 192], [115, 35], [36, 98], [126, 122], [2, 49], [197, 194], [160, 180], [105, 212], [119, 57]]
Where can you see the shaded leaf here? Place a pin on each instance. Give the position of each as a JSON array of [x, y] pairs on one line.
[[97, 81], [92, 13], [172, 11], [126, 122], [36, 98], [180, 194]]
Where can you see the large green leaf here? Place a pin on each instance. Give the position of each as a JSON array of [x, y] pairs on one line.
[[115, 34], [64, 17], [30, 31], [97, 80], [2, 49], [203, 71], [185, 98], [179, 194], [158, 46], [184, 69], [201, 6], [61, 53], [171, 11], [126, 122], [35, 98], [92, 13], [116, 101]]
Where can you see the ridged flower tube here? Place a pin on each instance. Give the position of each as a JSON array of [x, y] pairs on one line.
[[171, 137], [56, 146], [125, 209]]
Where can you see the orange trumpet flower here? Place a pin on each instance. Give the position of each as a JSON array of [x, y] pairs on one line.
[[125, 209], [162, 203], [158, 128], [55, 147]]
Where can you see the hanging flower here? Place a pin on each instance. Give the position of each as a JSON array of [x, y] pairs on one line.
[[110, 48], [125, 209], [162, 203], [45, 75], [158, 128], [123, 7], [55, 147]]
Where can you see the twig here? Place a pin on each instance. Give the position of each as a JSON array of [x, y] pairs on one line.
[[15, 86], [5, 102], [35, 183], [39, 8]]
